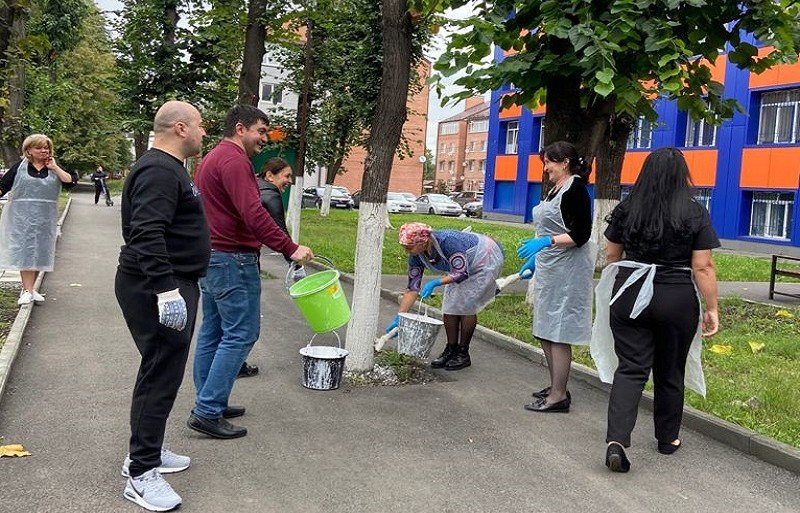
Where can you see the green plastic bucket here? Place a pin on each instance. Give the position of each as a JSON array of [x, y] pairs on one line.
[[321, 300]]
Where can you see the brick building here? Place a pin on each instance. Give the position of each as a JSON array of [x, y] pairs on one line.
[[461, 147]]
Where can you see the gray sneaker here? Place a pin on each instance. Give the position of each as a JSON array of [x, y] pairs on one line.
[[151, 492], [170, 463]]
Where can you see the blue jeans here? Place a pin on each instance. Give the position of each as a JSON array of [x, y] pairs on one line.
[[231, 295]]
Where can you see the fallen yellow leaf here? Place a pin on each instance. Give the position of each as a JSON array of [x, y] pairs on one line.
[[13, 450], [756, 346], [784, 314], [720, 349]]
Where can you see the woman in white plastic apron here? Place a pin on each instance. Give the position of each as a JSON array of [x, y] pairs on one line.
[[563, 258], [28, 222], [648, 313], [473, 263]]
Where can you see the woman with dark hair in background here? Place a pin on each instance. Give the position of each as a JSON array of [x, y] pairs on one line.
[[648, 309], [562, 258]]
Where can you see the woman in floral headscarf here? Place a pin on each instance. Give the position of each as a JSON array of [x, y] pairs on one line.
[[472, 262]]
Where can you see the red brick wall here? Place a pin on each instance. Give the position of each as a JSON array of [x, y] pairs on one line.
[[406, 173]]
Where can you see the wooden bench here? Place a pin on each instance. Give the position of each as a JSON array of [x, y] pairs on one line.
[[775, 271]]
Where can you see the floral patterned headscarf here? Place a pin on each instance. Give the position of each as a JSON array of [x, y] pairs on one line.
[[414, 233]]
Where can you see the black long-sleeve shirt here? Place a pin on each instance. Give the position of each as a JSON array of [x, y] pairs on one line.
[[7, 182], [271, 200], [576, 209], [163, 223]]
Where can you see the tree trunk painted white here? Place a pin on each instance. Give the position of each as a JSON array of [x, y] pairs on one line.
[[325, 208], [602, 207], [295, 205], [363, 324], [388, 224]]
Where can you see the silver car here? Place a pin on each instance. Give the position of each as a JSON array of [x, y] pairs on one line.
[[396, 203], [438, 204]]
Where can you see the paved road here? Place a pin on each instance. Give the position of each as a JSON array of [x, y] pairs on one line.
[[463, 444]]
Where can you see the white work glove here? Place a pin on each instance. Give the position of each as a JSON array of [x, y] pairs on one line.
[[299, 274], [172, 311]]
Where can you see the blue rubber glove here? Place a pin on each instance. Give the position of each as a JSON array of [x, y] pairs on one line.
[[392, 325], [530, 247], [427, 289], [527, 269], [172, 311]]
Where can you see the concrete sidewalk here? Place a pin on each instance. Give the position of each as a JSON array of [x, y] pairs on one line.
[[463, 444]]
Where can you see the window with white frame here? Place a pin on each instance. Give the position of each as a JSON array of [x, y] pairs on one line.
[[478, 125], [451, 148], [703, 196], [771, 215], [700, 133], [470, 166], [541, 135], [271, 93], [483, 145], [450, 166], [641, 135], [482, 166], [471, 147], [449, 128], [442, 148], [512, 137], [441, 165], [779, 119]]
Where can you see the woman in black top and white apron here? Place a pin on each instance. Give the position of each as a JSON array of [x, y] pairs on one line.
[[648, 312], [564, 264]]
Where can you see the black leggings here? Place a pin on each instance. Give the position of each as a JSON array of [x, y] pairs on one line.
[[658, 340]]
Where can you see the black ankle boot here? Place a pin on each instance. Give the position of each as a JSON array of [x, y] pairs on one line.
[[446, 356], [459, 360]]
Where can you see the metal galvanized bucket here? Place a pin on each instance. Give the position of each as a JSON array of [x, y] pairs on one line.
[[323, 366], [416, 334]]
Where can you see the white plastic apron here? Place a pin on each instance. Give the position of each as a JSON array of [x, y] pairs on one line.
[[484, 264], [562, 283], [602, 347], [28, 224]]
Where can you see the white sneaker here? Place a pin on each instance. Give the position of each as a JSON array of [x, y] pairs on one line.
[[151, 492], [37, 298], [170, 463], [25, 298]]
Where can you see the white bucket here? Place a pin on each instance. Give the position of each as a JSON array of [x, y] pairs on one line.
[[416, 334], [323, 366]]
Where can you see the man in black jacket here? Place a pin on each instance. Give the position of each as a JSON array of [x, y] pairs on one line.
[[167, 249]]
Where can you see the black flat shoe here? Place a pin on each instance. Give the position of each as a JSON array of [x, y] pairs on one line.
[[459, 361], [541, 394], [216, 428], [247, 370], [616, 460], [232, 412], [542, 406], [668, 448], [447, 355]]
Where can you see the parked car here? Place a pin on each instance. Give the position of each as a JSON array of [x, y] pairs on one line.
[[410, 197], [474, 209], [464, 197], [340, 197], [438, 204], [397, 203], [356, 197]]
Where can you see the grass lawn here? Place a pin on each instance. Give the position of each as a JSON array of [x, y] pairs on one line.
[[753, 379], [335, 237], [8, 310]]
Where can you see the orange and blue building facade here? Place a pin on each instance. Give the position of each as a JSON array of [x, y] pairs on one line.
[[746, 171]]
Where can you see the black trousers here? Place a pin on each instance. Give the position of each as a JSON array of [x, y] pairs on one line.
[[97, 192], [164, 352], [658, 340]]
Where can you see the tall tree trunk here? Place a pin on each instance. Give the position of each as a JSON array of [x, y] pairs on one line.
[[563, 119], [14, 71], [609, 158], [140, 140], [171, 24], [303, 114], [256, 33], [387, 126]]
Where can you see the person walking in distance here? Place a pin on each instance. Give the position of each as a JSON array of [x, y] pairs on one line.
[[98, 178], [166, 251], [231, 291]]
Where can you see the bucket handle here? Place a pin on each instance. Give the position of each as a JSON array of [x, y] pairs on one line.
[[294, 266], [338, 340]]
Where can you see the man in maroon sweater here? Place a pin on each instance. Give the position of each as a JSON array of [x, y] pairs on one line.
[[231, 289]]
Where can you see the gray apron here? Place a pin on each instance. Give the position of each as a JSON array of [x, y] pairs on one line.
[[28, 224], [562, 283], [602, 347], [484, 265]]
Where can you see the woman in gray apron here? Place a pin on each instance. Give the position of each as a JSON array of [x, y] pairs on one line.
[[564, 264], [472, 262], [649, 316], [28, 222]]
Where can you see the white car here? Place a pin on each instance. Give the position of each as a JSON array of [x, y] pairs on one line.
[[438, 204], [396, 203]]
